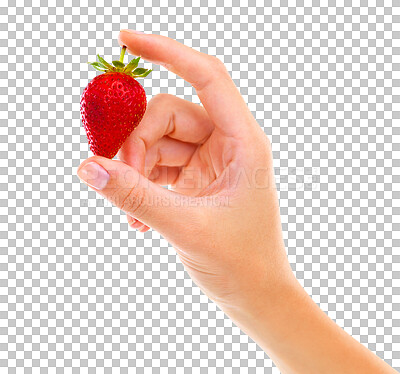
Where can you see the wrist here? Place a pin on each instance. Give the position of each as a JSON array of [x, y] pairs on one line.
[[270, 319], [266, 304]]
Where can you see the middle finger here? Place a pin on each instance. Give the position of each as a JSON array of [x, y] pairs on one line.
[[166, 115]]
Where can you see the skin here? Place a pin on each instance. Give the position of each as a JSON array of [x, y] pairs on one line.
[[222, 212]]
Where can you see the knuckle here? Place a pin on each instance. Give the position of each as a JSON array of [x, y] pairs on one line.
[[160, 98], [217, 65], [268, 144]]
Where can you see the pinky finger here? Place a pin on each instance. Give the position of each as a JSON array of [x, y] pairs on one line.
[[135, 224]]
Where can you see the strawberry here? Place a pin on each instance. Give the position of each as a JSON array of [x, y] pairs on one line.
[[113, 104]]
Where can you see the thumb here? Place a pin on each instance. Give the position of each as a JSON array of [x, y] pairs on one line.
[[164, 210]]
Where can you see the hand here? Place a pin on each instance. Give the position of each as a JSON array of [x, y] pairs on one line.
[[222, 216], [222, 213]]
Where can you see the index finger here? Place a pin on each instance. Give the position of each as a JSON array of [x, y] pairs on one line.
[[214, 86]]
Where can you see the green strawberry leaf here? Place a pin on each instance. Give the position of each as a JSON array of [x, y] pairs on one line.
[[97, 66], [146, 73], [104, 62], [118, 64], [99, 69], [132, 65], [139, 71]]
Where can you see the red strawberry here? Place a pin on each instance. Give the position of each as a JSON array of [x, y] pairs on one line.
[[112, 105]]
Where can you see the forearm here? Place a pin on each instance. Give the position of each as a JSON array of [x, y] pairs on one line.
[[300, 338]]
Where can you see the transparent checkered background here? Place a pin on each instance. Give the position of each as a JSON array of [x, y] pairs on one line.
[[81, 293]]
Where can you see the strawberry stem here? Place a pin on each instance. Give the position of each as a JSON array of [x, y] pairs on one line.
[[121, 57]]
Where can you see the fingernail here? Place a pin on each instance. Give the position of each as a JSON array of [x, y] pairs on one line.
[[137, 225], [94, 175], [132, 31], [131, 220]]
